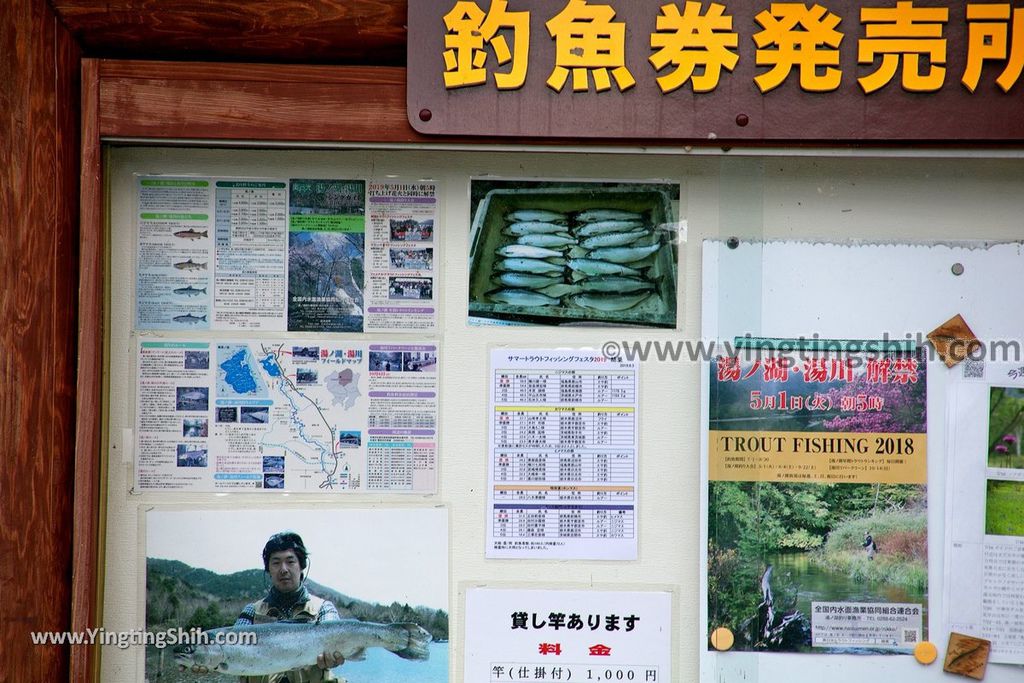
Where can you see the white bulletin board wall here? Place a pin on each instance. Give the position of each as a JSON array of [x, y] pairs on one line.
[[905, 197]]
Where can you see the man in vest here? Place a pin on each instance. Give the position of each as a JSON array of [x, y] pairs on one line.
[[869, 545], [285, 559]]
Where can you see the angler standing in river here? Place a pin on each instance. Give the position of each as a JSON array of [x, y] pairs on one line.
[[286, 560], [870, 547]]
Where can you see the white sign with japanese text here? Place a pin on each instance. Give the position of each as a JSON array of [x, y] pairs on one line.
[[984, 571], [562, 635]]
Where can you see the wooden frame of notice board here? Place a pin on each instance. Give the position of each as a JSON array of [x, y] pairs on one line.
[[748, 291], [65, 98]]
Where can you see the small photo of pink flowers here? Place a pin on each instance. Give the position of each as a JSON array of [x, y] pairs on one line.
[[1006, 427]]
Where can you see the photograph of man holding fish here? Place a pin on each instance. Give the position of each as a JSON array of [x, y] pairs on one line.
[[389, 624], [285, 560], [573, 253]]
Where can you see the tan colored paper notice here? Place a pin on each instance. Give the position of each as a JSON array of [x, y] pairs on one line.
[[967, 656], [953, 340]]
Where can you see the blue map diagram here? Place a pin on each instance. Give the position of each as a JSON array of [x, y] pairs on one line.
[[301, 414], [237, 376], [269, 363]]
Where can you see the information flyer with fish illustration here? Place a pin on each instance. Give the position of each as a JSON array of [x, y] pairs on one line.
[[285, 255], [286, 415], [211, 254], [817, 501], [984, 560], [563, 447], [568, 635], [574, 252]]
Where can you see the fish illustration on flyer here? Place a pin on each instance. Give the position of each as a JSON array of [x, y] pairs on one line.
[[174, 253], [817, 498], [211, 253]]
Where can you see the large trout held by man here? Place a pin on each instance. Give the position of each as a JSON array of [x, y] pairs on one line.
[[283, 646]]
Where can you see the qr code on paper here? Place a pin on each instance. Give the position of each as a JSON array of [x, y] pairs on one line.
[[910, 635], [974, 369]]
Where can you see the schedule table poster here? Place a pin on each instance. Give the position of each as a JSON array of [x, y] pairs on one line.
[[212, 253], [311, 415], [560, 635], [562, 455]]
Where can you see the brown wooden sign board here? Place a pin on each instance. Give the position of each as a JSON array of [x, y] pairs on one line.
[[736, 109]]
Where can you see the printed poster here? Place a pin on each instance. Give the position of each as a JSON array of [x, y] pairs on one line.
[[568, 635], [285, 255], [402, 286], [326, 246], [984, 573], [574, 253], [817, 507], [286, 415], [562, 455], [215, 558], [211, 254]]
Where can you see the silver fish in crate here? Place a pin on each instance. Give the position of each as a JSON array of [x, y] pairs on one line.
[[591, 267], [532, 228], [527, 251], [529, 265], [609, 302], [522, 297], [601, 227], [593, 215], [624, 254], [535, 215]]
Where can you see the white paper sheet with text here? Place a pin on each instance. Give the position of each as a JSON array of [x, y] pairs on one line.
[[562, 455], [984, 584], [286, 415], [562, 635]]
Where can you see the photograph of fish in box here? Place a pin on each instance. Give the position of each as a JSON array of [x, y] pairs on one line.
[[331, 594], [573, 253]]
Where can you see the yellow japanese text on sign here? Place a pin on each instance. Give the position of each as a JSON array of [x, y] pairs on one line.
[[694, 42]]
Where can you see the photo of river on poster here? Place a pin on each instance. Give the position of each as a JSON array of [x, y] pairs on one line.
[[813, 583], [809, 540]]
